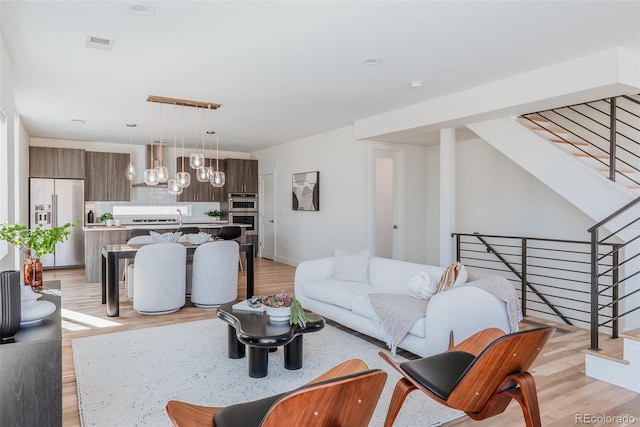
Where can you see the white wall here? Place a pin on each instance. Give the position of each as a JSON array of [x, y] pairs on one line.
[[344, 218], [8, 173], [342, 221], [494, 195]]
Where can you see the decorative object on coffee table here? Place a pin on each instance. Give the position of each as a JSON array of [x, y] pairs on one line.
[[34, 244], [9, 304], [283, 307]]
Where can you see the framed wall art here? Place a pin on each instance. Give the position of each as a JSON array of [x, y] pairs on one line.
[[305, 191]]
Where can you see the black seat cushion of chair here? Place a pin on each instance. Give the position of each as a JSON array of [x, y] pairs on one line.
[[439, 373], [189, 230], [248, 414], [230, 232]]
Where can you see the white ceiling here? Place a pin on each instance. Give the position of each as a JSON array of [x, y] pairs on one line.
[[281, 70]]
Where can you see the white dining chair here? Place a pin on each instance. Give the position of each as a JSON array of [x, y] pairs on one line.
[[159, 277], [214, 279], [128, 264]]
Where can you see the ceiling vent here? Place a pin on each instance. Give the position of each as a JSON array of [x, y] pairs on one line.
[[94, 42]]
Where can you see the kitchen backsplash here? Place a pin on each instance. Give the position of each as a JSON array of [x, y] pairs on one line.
[[191, 211]]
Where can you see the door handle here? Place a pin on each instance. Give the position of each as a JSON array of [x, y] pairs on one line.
[[395, 227], [271, 221]]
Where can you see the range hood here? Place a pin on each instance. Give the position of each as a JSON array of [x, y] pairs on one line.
[[157, 158]]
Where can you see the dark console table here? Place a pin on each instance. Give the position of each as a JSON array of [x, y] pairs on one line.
[[31, 370]]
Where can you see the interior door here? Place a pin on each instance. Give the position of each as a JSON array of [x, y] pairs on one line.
[[387, 231], [267, 217]]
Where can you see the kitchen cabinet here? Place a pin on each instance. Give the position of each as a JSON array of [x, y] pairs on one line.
[[105, 179], [199, 191], [241, 176], [93, 243], [48, 162]]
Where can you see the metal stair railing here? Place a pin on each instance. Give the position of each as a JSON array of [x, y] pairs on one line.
[[608, 129], [553, 276], [626, 258]]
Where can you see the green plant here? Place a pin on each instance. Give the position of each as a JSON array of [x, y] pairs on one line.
[[37, 242], [213, 213], [105, 216], [298, 317]]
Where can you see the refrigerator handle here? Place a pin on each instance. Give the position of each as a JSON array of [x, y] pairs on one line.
[[54, 209]]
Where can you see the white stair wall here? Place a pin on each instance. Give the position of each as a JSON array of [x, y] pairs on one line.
[[624, 373], [582, 185]]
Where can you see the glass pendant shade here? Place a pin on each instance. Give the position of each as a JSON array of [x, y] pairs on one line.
[[203, 173], [162, 173], [131, 172], [196, 160], [174, 187], [217, 178], [184, 179], [150, 177]]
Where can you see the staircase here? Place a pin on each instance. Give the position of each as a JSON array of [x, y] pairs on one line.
[[624, 372], [590, 155]]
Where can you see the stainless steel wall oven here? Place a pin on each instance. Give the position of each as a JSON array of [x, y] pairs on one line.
[[243, 209]]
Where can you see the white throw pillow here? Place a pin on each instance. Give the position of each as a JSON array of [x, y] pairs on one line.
[[463, 276], [165, 237], [351, 267], [422, 286]]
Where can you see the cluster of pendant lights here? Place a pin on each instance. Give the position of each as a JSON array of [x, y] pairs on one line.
[[159, 173]]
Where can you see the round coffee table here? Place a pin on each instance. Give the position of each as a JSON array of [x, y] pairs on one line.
[[261, 335]]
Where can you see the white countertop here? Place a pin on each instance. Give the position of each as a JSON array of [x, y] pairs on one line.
[[158, 226]]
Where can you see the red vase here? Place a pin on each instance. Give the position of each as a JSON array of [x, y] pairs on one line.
[[33, 272]]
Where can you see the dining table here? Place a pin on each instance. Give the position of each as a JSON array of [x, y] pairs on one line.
[[112, 254]]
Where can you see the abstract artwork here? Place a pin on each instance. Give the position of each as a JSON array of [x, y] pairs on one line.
[[306, 191]]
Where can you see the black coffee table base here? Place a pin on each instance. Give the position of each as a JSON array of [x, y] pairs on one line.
[[259, 356]]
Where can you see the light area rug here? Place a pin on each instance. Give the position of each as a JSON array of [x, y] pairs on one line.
[[127, 378]]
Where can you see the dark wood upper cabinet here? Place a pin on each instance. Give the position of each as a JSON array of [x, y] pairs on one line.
[[105, 179], [241, 176], [48, 162]]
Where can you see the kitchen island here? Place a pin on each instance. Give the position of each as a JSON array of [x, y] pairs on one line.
[[96, 236]]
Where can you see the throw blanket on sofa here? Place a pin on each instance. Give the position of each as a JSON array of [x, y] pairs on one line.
[[502, 289], [395, 315]]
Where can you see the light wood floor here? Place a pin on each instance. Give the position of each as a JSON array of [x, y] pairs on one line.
[[563, 389]]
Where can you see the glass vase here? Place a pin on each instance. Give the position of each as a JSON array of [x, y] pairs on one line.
[[33, 272]]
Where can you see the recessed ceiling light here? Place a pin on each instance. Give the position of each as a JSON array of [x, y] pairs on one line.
[[78, 121], [141, 8], [416, 83], [371, 60]]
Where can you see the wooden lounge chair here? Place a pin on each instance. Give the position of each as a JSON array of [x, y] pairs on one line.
[[344, 396], [479, 376]]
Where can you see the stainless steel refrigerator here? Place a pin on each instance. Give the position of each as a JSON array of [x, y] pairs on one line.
[[55, 202]]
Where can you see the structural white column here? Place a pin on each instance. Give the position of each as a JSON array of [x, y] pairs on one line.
[[447, 194]]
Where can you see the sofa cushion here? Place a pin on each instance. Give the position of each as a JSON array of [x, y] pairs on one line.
[[454, 275], [336, 292], [351, 267]]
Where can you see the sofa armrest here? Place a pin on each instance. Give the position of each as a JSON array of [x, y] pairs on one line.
[[317, 269], [464, 311]]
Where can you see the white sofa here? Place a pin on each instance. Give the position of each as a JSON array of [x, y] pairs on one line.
[[461, 309]]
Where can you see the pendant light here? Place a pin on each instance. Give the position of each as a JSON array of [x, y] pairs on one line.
[[184, 178], [150, 177], [217, 177], [202, 174], [196, 160], [162, 173], [174, 185], [131, 170]]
